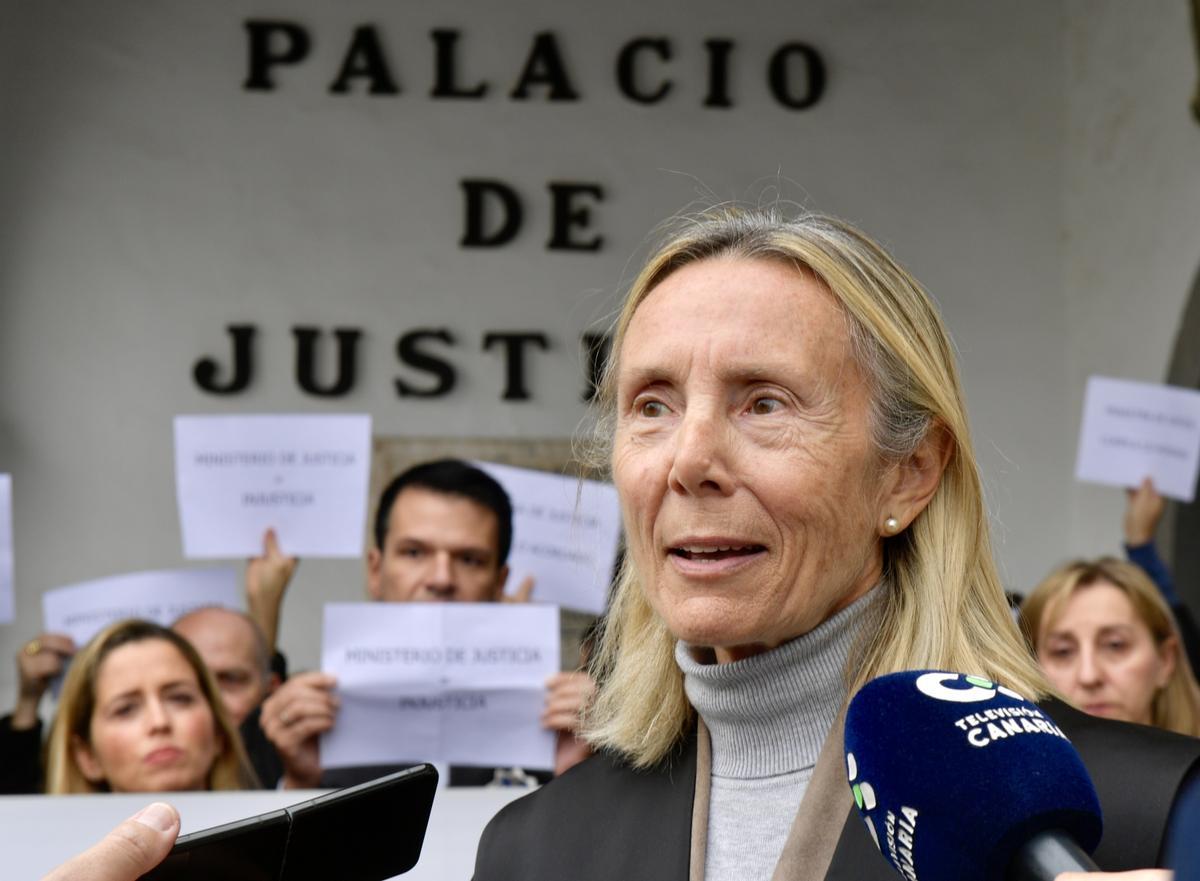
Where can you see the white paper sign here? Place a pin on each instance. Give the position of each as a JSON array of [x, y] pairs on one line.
[[1133, 430], [462, 683], [6, 550], [303, 476], [565, 535], [83, 610]]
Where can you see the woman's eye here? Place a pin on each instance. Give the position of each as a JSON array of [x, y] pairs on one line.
[[652, 409], [183, 698], [765, 406]]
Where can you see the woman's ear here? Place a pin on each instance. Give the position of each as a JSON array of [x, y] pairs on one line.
[[375, 573], [916, 478], [86, 760], [1168, 654]]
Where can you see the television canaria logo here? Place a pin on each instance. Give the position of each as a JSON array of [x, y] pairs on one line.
[[987, 726], [900, 831], [864, 795], [935, 685]]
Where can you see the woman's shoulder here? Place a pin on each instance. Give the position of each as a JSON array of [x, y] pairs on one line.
[[600, 819], [1165, 750], [1138, 771]]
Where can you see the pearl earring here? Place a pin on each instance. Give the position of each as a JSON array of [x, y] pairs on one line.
[[891, 525]]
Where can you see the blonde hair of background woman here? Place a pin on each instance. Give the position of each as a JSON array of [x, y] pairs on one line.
[[943, 604], [1176, 706], [230, 770]]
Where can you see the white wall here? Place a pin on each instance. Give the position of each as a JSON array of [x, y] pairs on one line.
[[1011, 155], [1132, 210]]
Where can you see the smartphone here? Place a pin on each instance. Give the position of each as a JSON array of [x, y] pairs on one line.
[[367, 832]]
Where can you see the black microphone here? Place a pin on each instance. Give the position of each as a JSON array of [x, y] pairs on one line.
[[958, 778]]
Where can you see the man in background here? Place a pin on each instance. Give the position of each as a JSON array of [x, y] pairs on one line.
[[442, 533]]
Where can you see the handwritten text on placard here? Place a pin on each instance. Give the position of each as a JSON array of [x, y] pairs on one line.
[[1134, 430]]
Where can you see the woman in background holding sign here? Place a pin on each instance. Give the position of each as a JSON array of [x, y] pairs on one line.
[[139, 712], [785, 427]]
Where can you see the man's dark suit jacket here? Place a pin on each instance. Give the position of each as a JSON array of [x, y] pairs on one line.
[[604, 821]]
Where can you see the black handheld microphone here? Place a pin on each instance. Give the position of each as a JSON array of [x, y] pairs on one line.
[[958, 778]]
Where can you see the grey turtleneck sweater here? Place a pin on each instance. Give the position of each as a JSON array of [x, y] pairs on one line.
[[767, 717]]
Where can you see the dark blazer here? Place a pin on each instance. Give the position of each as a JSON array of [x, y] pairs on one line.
[[603, 821], [20, 759]]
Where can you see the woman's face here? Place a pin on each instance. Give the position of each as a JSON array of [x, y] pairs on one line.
[[752, 497], [1102, 657], [152, 729]]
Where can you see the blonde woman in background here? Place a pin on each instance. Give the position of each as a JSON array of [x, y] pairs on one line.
[[140, 713], [1107, 642]]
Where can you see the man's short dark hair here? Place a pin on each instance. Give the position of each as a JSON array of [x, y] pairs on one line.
[[451, 477]]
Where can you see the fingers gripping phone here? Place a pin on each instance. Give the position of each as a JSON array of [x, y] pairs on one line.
[[367, 832]]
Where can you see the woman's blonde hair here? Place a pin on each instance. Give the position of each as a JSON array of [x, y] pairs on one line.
[[230, 770], [942, 604], [1176, 706]]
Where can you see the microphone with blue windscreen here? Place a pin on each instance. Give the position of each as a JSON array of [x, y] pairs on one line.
[[961, 779]]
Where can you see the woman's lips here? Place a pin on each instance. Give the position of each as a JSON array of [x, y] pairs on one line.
[[713, 558], [164, 755]]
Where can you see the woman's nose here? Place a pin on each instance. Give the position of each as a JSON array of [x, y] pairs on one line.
[[700, 462], [157, 717], [1088, 672]]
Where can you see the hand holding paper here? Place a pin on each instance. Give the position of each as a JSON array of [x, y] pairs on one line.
[[293, 718], [267, 579], [523, 593], [566, 696], [1142, 513], [39, 661]]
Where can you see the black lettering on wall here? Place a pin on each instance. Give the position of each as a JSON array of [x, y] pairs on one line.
[[445, 73], [514, 359], [411, 353], [478, 232], [545, 67], [627, 73], [596, 349], [307, 339], [569, 214], [718, 73], [206, 369], [270, 44], [365, 59], [813, 82]]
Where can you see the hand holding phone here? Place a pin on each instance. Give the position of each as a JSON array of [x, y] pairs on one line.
[[367, 832]]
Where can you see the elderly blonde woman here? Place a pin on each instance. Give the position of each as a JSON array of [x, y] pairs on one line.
[[1107, 642], [785, 427]]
